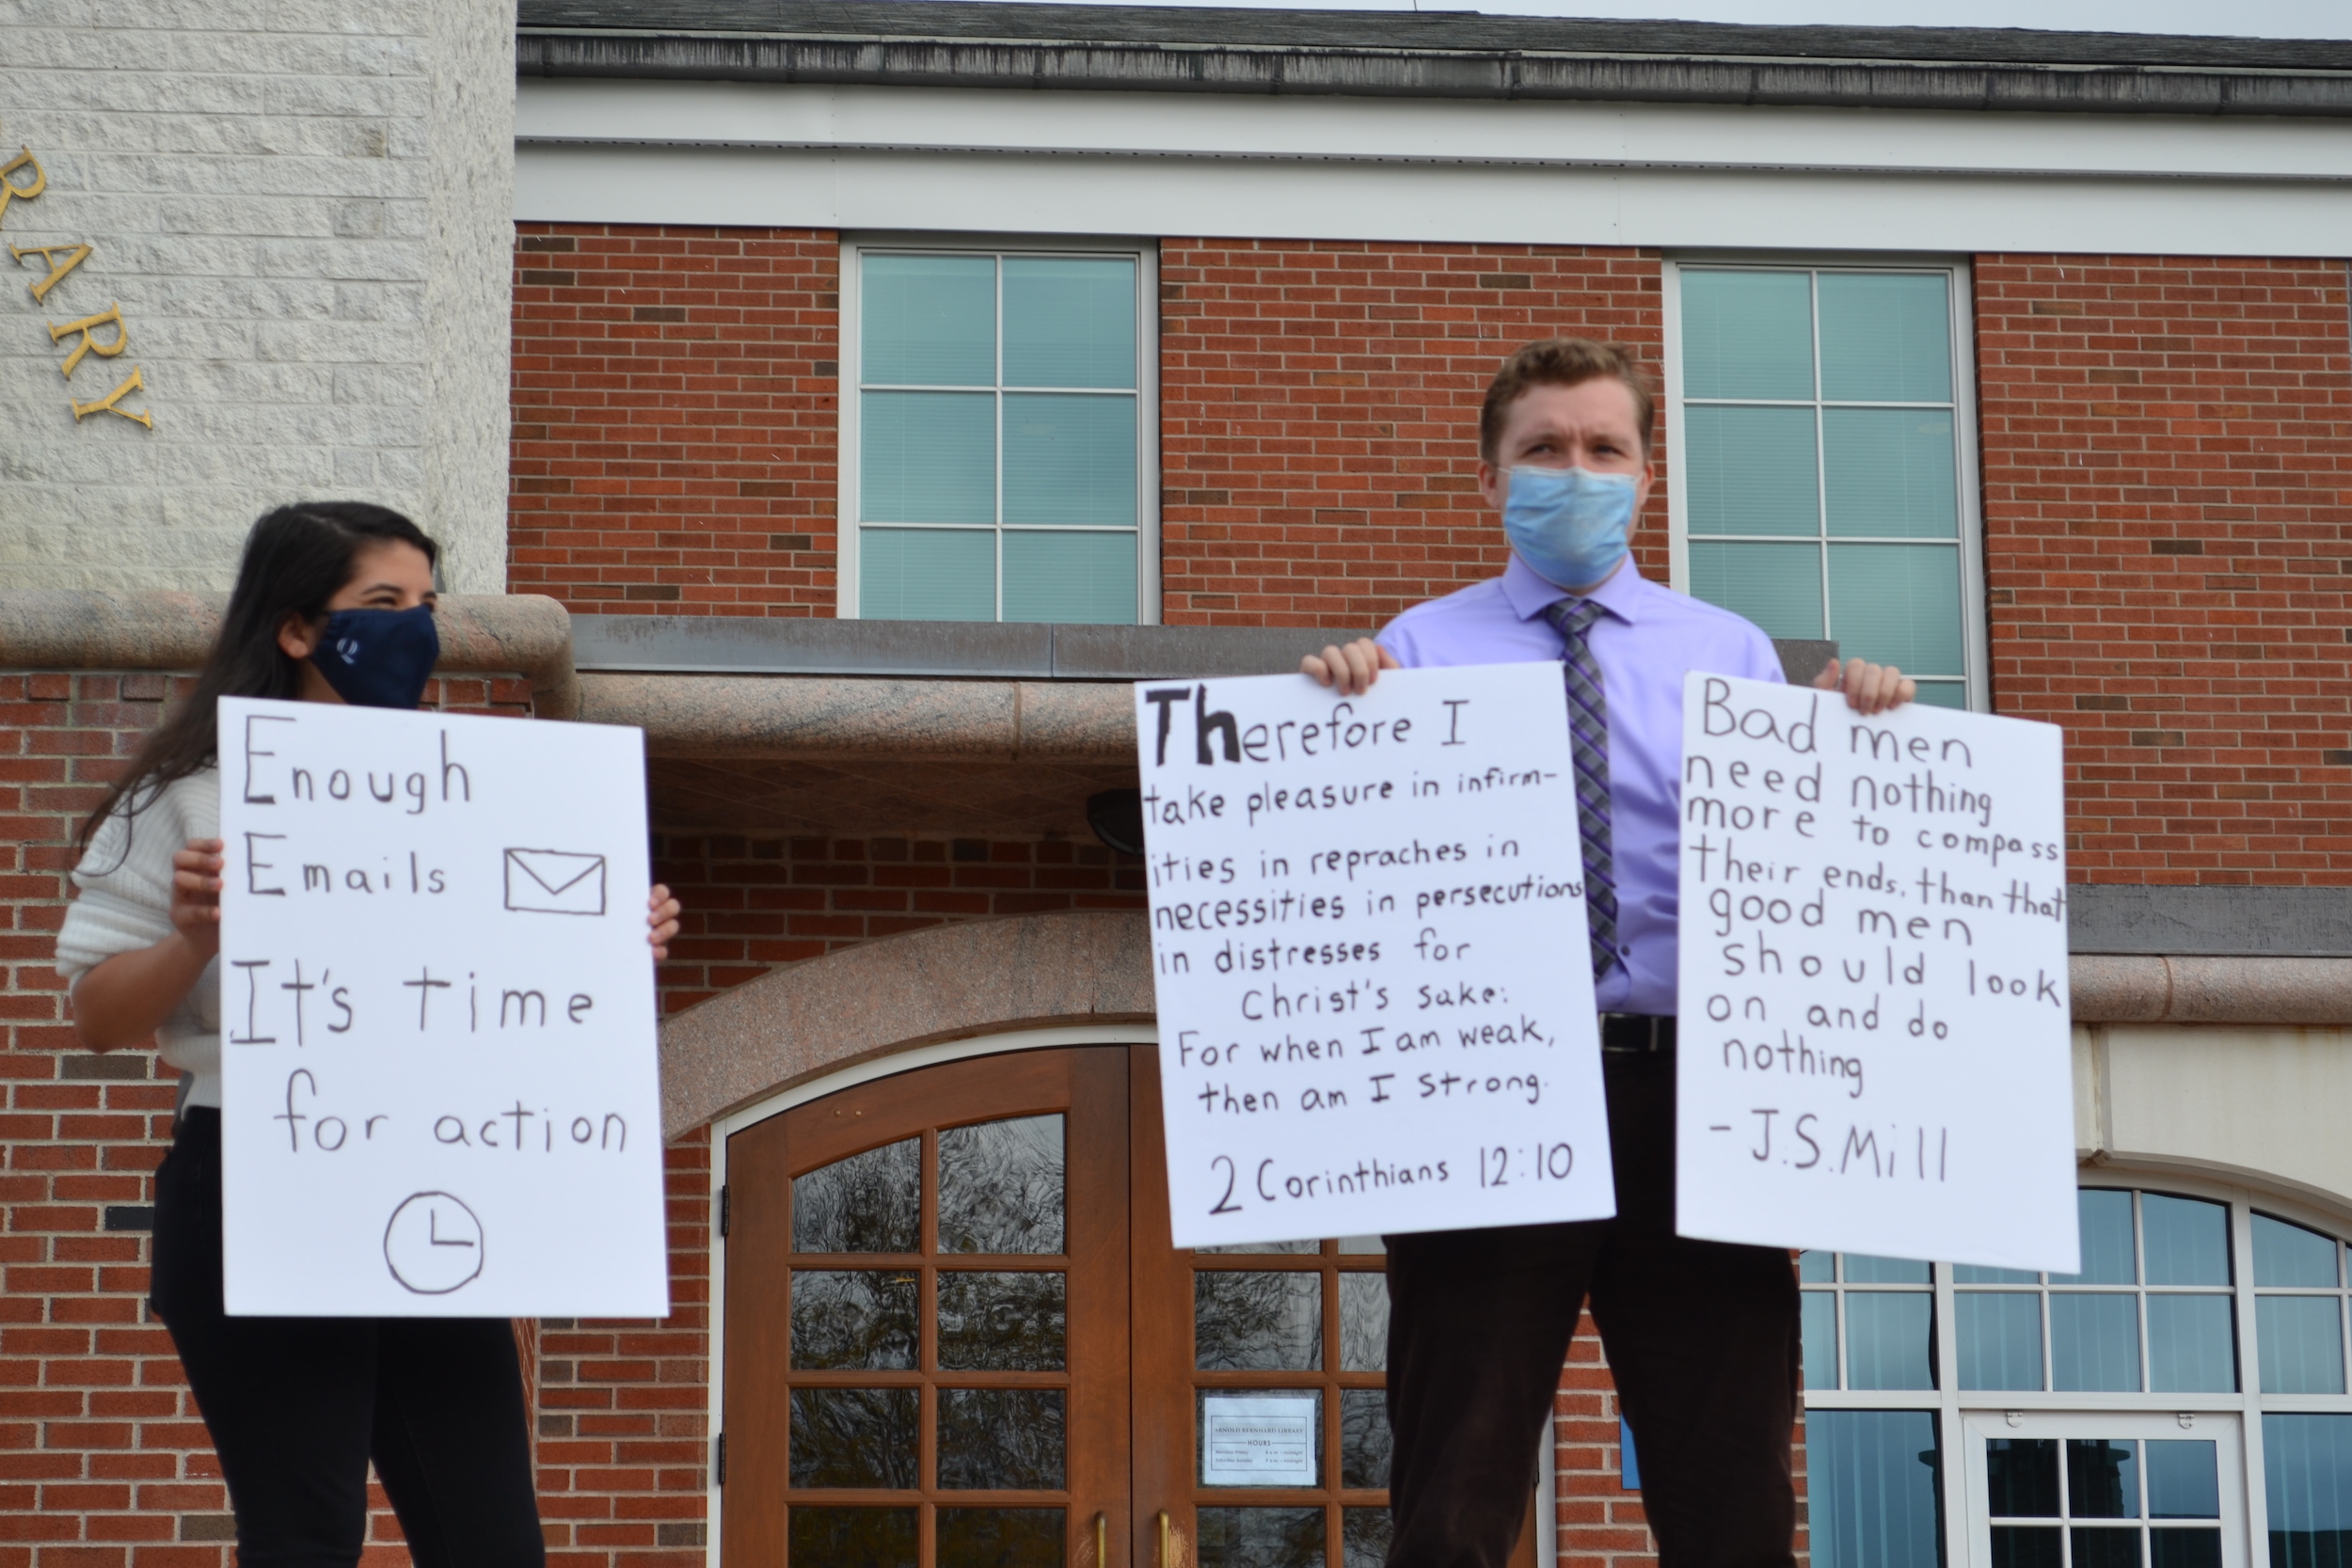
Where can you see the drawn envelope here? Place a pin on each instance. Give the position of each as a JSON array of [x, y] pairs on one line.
[[554, 882]]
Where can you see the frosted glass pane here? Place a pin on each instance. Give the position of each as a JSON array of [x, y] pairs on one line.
[[2289, 1255], [2103, 1215], [1977, 1273], [929, 320], [2307, 1479], [2301, 1341], [926, 457], [1070, 322], [2187, 1239], [1747, 335], [2192, 1347], [1889, 472], [1887, 1333], [1070, 459], [1896, 603], [1820, 1338], [1952, 695], [1752, 470], [1871, 1485], [1776, 586], [2095, 1343], [1885, 337], [2000, 1339], [1070, 576], [915, 574]]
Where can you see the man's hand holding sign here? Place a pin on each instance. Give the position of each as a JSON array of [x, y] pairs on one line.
[[1873, 998], [1356, 910]]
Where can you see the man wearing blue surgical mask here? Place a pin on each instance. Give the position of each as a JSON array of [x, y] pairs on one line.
[[1701, 1337]]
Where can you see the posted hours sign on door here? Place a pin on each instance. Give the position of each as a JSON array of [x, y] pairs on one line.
[[437, 1042], [1374, 988], [1875, 1041]]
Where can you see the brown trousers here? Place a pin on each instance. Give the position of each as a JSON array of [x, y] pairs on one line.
[[1702, 1338]]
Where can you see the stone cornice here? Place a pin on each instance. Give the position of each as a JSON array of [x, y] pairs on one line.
[[72, 628]]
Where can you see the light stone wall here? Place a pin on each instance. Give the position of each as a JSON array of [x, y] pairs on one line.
[[2262, 1105], [303, 208]]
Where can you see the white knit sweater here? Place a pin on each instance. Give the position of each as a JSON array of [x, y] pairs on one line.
[[125, 883]]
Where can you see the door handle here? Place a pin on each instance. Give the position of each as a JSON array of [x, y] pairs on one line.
[[1172, 1552], [1102, 1540]]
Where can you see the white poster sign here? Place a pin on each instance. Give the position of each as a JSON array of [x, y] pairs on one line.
[[1375, 999], [1874, 1051], [437, 1009], [1263, 1440]]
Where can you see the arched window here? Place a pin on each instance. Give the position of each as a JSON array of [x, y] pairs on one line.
[[2178, 1401]]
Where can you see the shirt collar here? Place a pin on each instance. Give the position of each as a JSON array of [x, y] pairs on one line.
[[1530, 595]]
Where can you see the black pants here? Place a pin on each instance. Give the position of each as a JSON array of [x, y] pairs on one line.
[[1702, 1338], [298, 1406]]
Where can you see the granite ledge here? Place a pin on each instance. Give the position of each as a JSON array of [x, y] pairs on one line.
[[72, 628]]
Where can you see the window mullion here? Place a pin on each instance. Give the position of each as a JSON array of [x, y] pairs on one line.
[[1838, 1296], [999, 264], [2049, 1341], [1821, 463]]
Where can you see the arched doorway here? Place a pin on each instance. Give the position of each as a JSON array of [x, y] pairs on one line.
[[956, 1334]]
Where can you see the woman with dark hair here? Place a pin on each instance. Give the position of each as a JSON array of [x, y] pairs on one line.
[[333, 604]]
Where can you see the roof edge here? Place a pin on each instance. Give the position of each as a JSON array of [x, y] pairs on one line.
[[1421, 73]]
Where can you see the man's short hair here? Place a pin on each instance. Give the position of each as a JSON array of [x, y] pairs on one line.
[[1560, 362]]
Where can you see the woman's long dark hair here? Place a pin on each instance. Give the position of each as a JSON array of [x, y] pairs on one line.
[[297, 559]]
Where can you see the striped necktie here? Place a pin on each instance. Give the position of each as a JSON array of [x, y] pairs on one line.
[[1588, 743]]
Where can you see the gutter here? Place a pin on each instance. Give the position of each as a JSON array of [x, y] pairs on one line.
[[1511, 74]]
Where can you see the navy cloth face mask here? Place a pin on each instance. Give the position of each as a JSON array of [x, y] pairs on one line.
[[379, 658], [1570, 524]]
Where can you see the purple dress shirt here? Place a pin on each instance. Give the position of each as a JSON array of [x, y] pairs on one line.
[[1645, 644]]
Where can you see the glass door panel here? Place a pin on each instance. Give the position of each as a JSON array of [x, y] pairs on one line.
[[2105, 1491]]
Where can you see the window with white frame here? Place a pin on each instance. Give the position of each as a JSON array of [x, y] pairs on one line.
[[2180, 1403], [998, 456], [1823, 444]]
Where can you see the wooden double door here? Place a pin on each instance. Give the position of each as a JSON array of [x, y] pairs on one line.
[[957, 1336]]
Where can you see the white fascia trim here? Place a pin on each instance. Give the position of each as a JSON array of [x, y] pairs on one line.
[[782, 116], [947, 193]]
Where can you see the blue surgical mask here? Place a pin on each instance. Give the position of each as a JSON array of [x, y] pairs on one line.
[[379, 658], [1569, 524]]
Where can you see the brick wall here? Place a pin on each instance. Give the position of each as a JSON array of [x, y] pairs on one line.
[[752, 903], [2168, 486], [623, 1431], [102, 1458], [675, 403], [1319, 414]]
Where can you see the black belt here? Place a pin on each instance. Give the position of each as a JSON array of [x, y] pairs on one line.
[[1636, 1035]]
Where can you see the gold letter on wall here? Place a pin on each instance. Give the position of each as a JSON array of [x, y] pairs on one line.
[[106, 404], [75, 256], [88, 327], [11, 190]]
